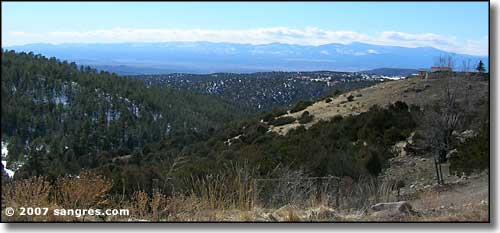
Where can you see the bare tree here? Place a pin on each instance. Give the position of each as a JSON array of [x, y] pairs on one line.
[[447, 61], [466, 67], [439, 122], [166, 176]]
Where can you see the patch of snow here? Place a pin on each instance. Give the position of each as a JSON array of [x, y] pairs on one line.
[[9, 172], [39, 147], [393, 77], [5, 152], [61, 99], [135, 110], [112, 115], [168, 128]]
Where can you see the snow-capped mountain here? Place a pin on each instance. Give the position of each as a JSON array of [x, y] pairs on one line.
[[208, 57]]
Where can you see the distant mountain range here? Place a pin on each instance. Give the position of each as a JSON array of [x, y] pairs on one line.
[[208, 57]]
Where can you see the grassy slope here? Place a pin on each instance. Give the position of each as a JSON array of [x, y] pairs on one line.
[[412, 91]]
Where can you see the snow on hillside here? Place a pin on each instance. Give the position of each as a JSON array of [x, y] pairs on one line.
[[5, 152]]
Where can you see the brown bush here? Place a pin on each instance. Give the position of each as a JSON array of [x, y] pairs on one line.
[[84, 191], [33, 192], [233, 189], [140, 204], [157, 205]]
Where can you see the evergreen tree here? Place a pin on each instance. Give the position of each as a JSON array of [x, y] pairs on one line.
[[374, 165], [480, 67], [94, 113]]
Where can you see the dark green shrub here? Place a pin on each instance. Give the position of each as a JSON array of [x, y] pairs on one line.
[[328, 100], [305, 118], [137, 155], [350, 98], [337, 118], [374, 165], [282, 121], [268, 117], [262, 139], [301, 105], [473, 155], [337, 92], [393, 134], [399, 106]]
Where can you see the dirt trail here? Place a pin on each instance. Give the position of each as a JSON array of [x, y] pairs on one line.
[[462, 198]]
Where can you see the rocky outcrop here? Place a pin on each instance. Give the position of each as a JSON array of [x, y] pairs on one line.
[[323, 213], [391, 210], [462, 136], [286, 213]]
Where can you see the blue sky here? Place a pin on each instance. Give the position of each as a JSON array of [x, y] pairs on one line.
[[453, 26]]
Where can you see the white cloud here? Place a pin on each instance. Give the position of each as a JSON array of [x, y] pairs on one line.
[[306, 36], [446, 43], [324, 52], [476, 46]]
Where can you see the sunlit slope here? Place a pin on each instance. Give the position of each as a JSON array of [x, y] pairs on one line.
[[411, 90]]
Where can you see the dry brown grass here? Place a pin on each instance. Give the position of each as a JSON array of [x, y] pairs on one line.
[[30, 192], [225, 198], [223, 192], [140, 204], [157, 202], [429, 199], [233, 189], [83, 191], [33, 192]]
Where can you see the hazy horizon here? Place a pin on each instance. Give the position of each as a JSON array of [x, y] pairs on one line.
[[440, 25]]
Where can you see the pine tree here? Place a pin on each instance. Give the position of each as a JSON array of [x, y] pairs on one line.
[[374, 165], [480, 67]]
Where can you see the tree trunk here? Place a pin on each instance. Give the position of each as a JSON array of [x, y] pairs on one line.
[[337, 200], [441, 173], [437, 172]]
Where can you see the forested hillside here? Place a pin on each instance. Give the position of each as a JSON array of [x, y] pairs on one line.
[[167, 153], [58, 118], [265, 91]]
